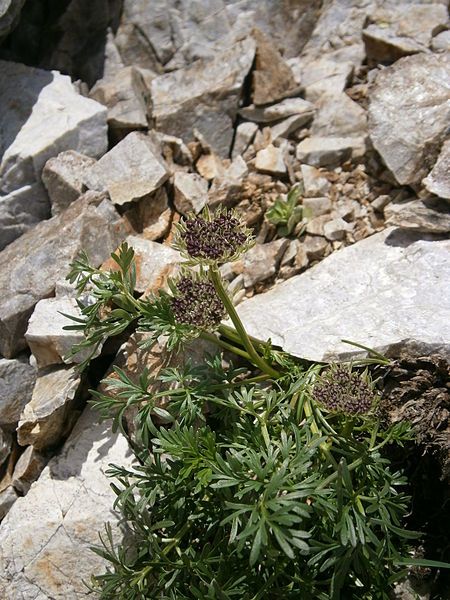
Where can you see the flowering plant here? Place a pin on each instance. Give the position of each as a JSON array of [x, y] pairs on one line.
[[257, 475]]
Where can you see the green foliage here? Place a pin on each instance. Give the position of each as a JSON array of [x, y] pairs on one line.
[[249, 482], [286, 214]]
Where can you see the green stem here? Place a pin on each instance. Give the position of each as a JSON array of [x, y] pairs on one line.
[[240, 329], [315, 429], [225, 345], [351, 467]]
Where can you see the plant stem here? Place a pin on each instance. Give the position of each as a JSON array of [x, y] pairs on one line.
[[225, 345], [315, 429], [240, 329]]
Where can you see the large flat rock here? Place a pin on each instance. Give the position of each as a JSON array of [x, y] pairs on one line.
[[45, 539], [31, 266], [386, 292]]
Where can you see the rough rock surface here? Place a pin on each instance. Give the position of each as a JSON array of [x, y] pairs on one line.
[[31, 266], [27, 469], [319, 151], [130, 170], [339, 115], [430, 215], [9, 15], [42, 115], [409, 114], [394, 295], [204, 97], [438, 179], [17, 379], [45, 539], [261, 261], [190, 192]]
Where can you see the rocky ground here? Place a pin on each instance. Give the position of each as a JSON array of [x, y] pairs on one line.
[[117, 118]]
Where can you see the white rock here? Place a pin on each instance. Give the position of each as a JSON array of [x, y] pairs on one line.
[[17, 379], [44, 418], [130, 170], [339, 115], [441, 42], [190, 192], [261, 261], [438, 179], [270, 160], [325, 76], [336, 229], [227, 185], [282, 110], [387, 291], [46, 537], [430, 215], [284, 128], [245, 132], [314, 247], [330, 151], [314, 183], [315, 207]]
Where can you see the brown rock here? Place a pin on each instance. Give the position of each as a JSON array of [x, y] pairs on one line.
[[27, 469]]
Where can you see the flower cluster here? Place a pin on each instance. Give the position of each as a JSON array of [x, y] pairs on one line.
[[342, 390], [214, 238], [196, 303]]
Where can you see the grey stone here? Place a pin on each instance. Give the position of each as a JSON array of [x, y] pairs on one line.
[[261, 261], [190, 192], [403, 30], [438, 179], [21, 210], [336, 229], [63, 177], [126, 97], [151, 217], [441, 42], [227, 186], [17, 379], [43, 115], [325, 76], [314, 247], [387, 291], [285, 128], [130, 170], [28, 468], [210, 166], [46, 538], [46, 337], [381, 202], [5, 445], [428, 215], [271, 160], [282, 110], [339, 115], [203, 97], [31, 265], [7, 498], [413, 95], [245, 132], [44, 419], [314, 183], [320, 151], [315, 207], [9, 15]]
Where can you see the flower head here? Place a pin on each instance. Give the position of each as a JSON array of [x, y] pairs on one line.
[[212, 238], [195, 302], [340, 389]]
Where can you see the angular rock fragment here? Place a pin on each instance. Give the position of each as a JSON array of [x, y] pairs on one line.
[[44, 419], [409, 114], [5, 445], [31, 266], [9, 15], [245, 132], [203, 97], [336, 229], [438, 179], [20, 210], [325, 76], [316, 206], [7, 498], [429, 215], [46, 538], [272, 78], [227, 186], [190, 192], [126, 97], [403, 30], [282, 110], [27, 469], [17, 379], [150, 216], [43, 115], [314, 246], [261, 261], [131, 170], [314, 183], [441, 42], [271, 160], [338, 115], [329, 151], [395, 296], [286, 127], [63, 177]]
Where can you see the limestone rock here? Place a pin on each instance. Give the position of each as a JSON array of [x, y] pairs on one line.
[[429, 215], [438, 180], [7, 498], [245, 132], [5, 445], [43, 115], [44, 419], [319, 151], [261, 261], [270, 160], [272, 78], [336, 229], [413, 95], [282, 110], [17, 379], [286, 127], [20, 210], [130, 170], [227, 186], [49, 342], [339, 115], [314, 246], [190, 192], [316, 206], [31, 266], [210, 166], [27, 469], [314, 183], [46, 537], [203, 97], [403, 30], [395, 295], [325, 76], [441, 42], [63, 177], [9, 15], [150, 216], [126, 97]]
